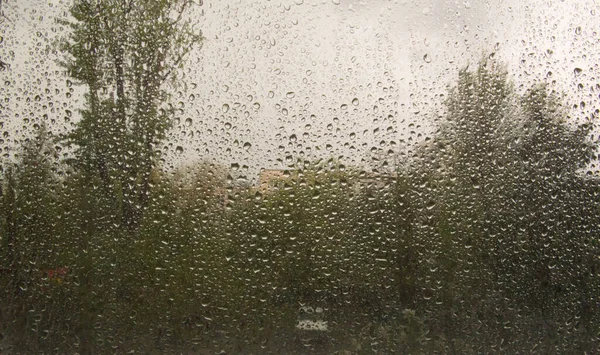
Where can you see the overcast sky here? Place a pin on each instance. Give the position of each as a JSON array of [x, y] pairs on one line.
[[278, 80]]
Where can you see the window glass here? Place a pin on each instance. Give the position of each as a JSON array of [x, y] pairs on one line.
[[299, 176]]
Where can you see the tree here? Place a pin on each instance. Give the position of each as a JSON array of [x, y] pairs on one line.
[[29, 205], [125, 53], [465, 167], [477, 107], [549, 145], [551, 205], [29, 211], [510, 217]]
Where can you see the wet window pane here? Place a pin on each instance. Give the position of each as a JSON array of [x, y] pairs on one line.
[[299, 176]]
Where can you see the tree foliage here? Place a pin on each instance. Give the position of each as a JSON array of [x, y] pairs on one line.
[[125, 53]]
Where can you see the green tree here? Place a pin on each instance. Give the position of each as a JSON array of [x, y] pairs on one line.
[[32, 250], [34, 204], [548, 144], [458, 188], [548, 206], [504, 211], [125, 53]]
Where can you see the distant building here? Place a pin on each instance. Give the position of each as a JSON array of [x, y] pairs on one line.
[[270, 179], [378, 181]]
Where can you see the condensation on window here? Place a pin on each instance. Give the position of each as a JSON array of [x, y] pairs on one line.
[[299, 176]]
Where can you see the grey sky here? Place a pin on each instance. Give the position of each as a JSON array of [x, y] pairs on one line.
[[276, 80]]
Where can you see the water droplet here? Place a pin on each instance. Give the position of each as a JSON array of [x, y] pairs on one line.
[[247, 146], [578, 30], [427, 58], [290, 95], [577, 71], [355, 102], [335, 2], [293, 138], [225, 108], [179, 149], [188, 122]]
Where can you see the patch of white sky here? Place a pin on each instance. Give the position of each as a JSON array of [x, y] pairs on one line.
[[283, 82], [280, 81], [34, 89]]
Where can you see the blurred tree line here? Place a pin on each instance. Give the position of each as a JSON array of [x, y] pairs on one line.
[[485, 240]]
